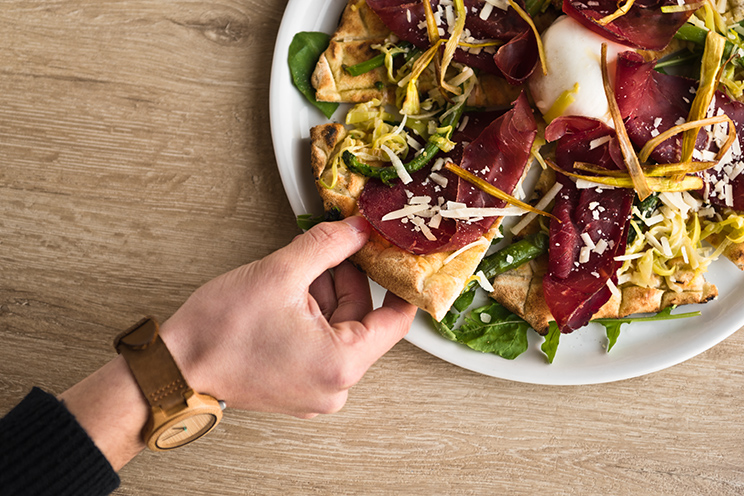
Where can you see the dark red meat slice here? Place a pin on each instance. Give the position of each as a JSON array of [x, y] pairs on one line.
[[498, 154], [574, 291], [644, 26], [514, 60], [651, 103]]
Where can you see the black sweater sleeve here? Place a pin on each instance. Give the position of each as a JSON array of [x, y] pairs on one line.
[[44, 451]]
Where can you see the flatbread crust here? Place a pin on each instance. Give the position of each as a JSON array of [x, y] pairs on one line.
[[351, 44], [734, 251], [359, 29], [521, 291], [423, 280]]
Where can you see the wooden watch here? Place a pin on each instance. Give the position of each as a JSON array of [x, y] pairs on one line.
[[178, 414]]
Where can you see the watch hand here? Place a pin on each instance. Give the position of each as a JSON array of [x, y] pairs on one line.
[[180, 430]]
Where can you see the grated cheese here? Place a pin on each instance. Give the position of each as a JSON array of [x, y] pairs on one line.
[[483, 281], [478, 242], [406, 211], [403, 174], [544, 202], [588, 241], [613, 289]]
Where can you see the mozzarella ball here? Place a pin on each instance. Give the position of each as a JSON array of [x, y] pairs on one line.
[[573, 55]]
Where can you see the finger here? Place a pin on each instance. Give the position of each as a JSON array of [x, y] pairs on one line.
[[352, 293], [378, 331], [322, 247], [324, 292]]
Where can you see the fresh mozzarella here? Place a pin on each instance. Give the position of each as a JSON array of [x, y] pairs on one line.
[[573, 55]]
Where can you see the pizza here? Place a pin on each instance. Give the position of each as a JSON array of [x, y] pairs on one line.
[[472, 94]]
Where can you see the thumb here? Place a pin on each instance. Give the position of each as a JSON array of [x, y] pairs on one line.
[[324, 246]]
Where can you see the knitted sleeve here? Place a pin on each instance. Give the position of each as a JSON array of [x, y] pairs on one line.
[[44, 451]]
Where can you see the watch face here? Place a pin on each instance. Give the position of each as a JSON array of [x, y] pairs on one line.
[[186, 430]]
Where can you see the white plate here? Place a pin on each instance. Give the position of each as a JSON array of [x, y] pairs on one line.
[[581, 359]]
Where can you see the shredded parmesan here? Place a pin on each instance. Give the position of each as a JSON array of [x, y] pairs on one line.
[[403, 174], [544, 202], [483, 281], [613, 289], [406, 211], [478, 242]]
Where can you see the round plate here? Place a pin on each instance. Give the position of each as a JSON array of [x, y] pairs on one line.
[[642, 348]]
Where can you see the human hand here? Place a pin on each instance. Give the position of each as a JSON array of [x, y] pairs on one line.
[[282, 334]]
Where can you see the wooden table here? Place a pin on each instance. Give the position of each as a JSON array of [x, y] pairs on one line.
[[136, 164]]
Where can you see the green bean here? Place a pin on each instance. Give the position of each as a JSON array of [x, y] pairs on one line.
[[376, 61], [697, 35]]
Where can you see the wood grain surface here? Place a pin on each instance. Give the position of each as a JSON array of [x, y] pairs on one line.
[[136, 164]]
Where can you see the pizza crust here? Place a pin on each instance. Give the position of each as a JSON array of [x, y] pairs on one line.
[[734, 251], [358, 31], [521, 291], [423, 280]]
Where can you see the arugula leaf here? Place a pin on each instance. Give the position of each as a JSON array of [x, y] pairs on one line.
[[494, 329], [304, 51], [612, 326], [552, 338]]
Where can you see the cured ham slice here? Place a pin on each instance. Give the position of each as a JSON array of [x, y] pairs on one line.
[[514, 59], [498, 154], [644, 26], [593, 227], [651, 103]]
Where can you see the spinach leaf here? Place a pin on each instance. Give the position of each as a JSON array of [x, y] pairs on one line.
[[304, 51], [552, 338], [612, 326], [494, 329], [306, 221]]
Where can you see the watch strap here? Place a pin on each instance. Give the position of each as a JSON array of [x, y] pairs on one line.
[[152, 365]]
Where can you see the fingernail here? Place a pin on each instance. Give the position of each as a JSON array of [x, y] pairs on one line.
[[357, 222]]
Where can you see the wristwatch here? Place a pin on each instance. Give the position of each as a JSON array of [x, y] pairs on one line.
[[178, 414]]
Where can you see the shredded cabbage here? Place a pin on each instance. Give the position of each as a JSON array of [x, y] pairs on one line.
[[671, 251]]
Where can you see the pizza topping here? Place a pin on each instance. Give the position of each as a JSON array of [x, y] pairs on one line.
[[498, 154], [644, 26], [514, 58], [583, 246], [573, 84], [645, 95]]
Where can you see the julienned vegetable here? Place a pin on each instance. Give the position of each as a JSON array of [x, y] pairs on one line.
[[379, 60], [304, 51], [433, 145]]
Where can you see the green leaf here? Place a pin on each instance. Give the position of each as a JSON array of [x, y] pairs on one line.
[[445, 326], [493, 329], [304, 51], [612, 326], [613, 332], [307, 221], [552, 338]]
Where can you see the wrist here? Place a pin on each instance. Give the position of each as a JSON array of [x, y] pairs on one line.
[[110, 397]]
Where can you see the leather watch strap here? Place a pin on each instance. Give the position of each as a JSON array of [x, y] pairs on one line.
[[152, 365]]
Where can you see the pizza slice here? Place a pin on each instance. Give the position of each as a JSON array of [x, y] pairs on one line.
[[360, 37], [359, 30], [431, 232]]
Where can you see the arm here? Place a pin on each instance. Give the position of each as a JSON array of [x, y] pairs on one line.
[[279, 335]]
